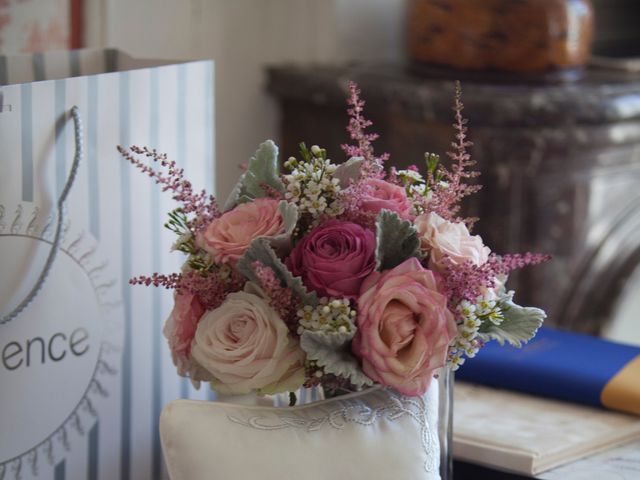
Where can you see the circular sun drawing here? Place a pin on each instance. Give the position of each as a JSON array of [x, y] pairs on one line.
[[57, 355]]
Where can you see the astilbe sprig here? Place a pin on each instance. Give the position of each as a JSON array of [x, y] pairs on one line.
[[271, 192], [170, 281], [503, 264], [211, 289], [466, 281], [203, 206], [372, 165], [449, 186], [351, 202], [282, 299]]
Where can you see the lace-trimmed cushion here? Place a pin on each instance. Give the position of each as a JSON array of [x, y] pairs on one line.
[[377, 434]]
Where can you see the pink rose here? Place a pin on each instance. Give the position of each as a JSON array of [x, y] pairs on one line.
[[180, 328], [404, 327], [334, 259], [444, 239], [246, 346], [384, 195], [229, 236]]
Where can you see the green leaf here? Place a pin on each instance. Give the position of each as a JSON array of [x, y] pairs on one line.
[[331, 351], [520, 324], [289, 212], [304, 152], [349, 170], [396, 240], [234, 197], [263, 169], [281, 244], [432, 161], [198, 373], [261, 250]]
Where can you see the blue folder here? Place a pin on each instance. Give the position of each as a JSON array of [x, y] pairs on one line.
[[564, 365]]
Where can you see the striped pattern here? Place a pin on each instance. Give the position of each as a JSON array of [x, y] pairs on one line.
[[125, 258], [92, 157], [94, 459], [156, 248], [60, 471], [61, 139], [38, 67], [169, 108], [181, 129], [27, 144], [4, 78]]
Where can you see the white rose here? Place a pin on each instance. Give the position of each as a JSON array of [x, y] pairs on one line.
[[442, 238], [246, 346]]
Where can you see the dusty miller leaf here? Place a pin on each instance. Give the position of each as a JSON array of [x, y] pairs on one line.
[[331, 351], [520, 324], [289, 212], [396, 240], [199, 374], [263, 169], [235, 197], [349, 170], [261, 250], [282, 243]]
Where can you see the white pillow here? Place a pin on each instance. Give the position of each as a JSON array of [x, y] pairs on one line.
[[376, 434]]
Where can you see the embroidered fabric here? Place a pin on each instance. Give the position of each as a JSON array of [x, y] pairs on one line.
[[375, 434], [363, 409]]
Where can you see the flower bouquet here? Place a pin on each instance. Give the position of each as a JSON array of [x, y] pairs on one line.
[[342, 275]]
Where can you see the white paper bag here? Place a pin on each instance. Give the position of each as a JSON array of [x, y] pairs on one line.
[[84, 369]]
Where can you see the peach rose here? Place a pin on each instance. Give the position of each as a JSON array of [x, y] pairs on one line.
[[246, 346], [229, 236], [180, 328], [404, 327], [442, 238], [385, 195]]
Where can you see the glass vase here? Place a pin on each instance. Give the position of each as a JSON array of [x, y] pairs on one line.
[[445, 421]]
